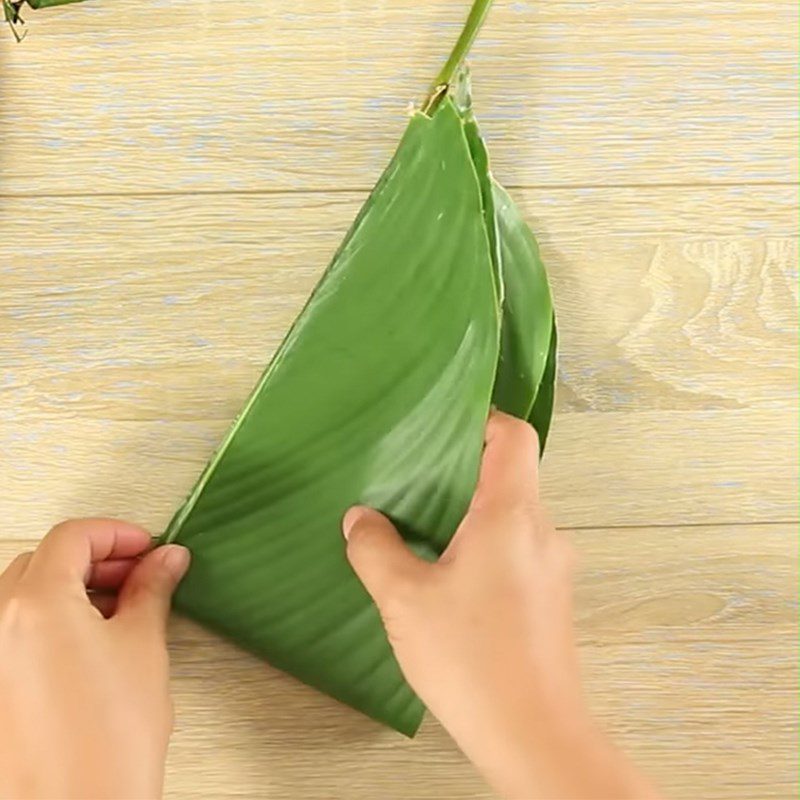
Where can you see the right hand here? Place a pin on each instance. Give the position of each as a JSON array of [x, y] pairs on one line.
[[485, 635]]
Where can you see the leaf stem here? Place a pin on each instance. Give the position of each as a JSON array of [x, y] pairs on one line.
[[477, 14]]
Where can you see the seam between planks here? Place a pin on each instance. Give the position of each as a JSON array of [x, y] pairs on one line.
[[662, 525], [367, 189], [24, 544]]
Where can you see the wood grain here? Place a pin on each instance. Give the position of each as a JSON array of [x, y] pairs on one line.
[[622, 469], [689, 653], [667, 297], [201, 95], [175, 176], [133, 329]]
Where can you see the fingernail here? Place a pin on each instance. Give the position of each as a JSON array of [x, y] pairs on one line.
[[175, 558], [351, 518]]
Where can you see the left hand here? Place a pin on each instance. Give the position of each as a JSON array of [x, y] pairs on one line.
[[84, 677]]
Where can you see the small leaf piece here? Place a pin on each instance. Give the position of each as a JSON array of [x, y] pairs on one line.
[[11, 11], [50, 3]]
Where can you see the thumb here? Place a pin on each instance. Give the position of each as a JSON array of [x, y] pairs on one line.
[[146, 594], [378, 554]]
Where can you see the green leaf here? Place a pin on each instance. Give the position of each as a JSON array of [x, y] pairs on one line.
[[480, 158], [12, 16], [435, 305], [378, 395], [542, 411], [521, 280], [527, 312]]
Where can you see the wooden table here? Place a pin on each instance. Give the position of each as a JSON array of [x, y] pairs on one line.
[[175, 177]]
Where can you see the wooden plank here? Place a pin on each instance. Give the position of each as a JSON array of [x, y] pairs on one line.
[[690, 657], [669, 295], [132, 329], [655, 468], [263, 95], [690, 652]]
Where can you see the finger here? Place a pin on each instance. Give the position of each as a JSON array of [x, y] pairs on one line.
[[378, 554], [145, 597], [111, 574], [69, 550], [509, 472], [105, 603]]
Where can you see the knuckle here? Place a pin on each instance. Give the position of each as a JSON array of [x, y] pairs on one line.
[[527, 502], [146, 591], [65, 525], [21, 560], [21, 612], [143, 595], [392, 606], [64, 529], [520, 509], [403, 589], [395, 594]]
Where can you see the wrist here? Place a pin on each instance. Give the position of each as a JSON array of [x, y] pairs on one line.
[[79, 778], [530, 739], [526, 741]]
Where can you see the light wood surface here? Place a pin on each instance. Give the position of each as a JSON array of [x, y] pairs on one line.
[[688, 644], [174, 179], [265, 95]]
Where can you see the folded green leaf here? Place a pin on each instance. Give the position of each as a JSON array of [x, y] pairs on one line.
[[542, 412], [378, 395], [435, 306], [527, 312]]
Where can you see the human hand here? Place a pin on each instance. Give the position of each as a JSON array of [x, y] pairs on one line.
[[84, 679], [485, 635]]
